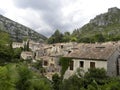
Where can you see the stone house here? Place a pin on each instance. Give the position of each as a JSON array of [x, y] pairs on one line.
[[50, 54], [95, 56], [26, 55], [51, 66], [17, 45], [34, 46]]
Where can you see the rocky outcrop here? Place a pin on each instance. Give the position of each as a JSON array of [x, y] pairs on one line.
[[104, 27], [111, 17], [18, 32]]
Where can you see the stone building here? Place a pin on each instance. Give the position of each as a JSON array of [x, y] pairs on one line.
[[34, 45], [50, 55], [27, 55], [17, 45], [95, 56]]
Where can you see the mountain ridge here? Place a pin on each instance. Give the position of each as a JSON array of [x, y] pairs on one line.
[[18, 31], [105, 26]]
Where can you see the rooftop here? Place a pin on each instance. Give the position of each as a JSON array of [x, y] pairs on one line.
[[96, 52]]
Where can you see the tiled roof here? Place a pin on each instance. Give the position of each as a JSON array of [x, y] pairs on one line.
[[98, 52]]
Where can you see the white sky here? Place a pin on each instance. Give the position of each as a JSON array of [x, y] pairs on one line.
[[45, 16]]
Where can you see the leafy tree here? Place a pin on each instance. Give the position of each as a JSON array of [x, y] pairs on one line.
[[8, 77], [64, 62], [20, 77], [29, 80], [17, 52], [5, 54], [37, 64], [51, 40], [56, 37], [97, 74], [99, 37], [66, 37], [85, 40], [25, 75], [73, 83], [26, 46], [56, 81], [6, 51], [73, 39]]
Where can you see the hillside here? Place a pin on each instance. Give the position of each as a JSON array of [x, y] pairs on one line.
[[18, 32], [104, 27]]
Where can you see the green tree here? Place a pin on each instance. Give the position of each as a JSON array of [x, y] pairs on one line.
[[26, 46], [28, 80], [8, 77], [97, 74], [64, 62], [20, 77], [56, 81], [56, 37], [66, 37], [4, 38], [5, 54], [17, 53], [99, 38], [72, 83], [25, 75]]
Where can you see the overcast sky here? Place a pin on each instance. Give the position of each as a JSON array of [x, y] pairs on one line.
[[45, 16]]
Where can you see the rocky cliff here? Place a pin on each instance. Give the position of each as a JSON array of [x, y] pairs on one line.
[[18, 32], [104, 27]]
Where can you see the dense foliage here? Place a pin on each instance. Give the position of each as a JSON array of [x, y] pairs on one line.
[[85, 36], [7, 53], [58, 37], [64, 62], [94, 79], [56, 81], [20, 77]]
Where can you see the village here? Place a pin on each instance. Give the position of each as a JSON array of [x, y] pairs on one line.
[[84, 56]]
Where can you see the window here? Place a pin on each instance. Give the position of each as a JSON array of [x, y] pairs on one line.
[[52, 65], [82, 64], [45, 63], [61, 46], [71, 65], [52, 59], [92, 64], [69, 52]]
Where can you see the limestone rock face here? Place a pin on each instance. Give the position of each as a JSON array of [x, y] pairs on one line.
[[18, 32], [111, 17], [105, 26]]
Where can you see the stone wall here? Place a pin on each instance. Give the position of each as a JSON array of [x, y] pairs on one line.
[[112, 64], [98, 64]]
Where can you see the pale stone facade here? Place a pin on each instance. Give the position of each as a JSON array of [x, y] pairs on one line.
[[26, 55], [95, 56], [86, 66], [17, 45]]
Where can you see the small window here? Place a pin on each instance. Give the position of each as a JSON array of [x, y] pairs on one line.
[[61, 46], [52, 59], [69, 52], [92, 64], [71, 65], [52, 65], [82, 64], [45, 63]]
